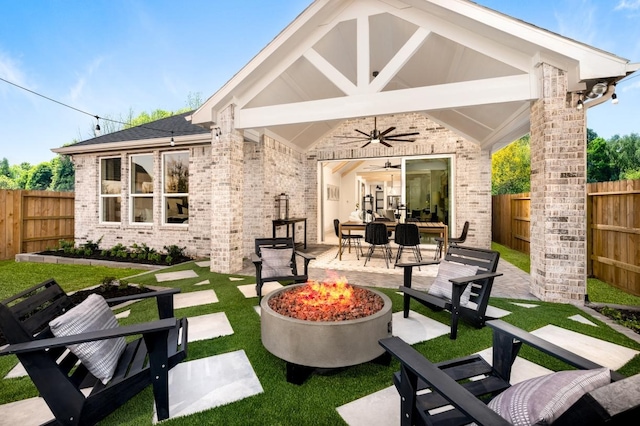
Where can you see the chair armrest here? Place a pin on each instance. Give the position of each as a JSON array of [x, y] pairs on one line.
[[471, 278], [256, 259], [412, 264], [502, 328], [53, 342], [305, 256], [148, 295], [451, 390]]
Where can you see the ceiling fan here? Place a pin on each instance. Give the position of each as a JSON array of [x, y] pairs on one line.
[[376, 136], [387, 167]]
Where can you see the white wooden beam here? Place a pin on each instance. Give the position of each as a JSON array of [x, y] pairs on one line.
[[399, 60], [363, 60], [445, 96], [331, 72]]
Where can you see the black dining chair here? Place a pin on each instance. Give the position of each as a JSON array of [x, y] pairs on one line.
[[452, 241], [348, 238], [408, 235], [376, 234]]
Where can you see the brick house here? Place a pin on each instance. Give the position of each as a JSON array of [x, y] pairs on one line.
[[468, 80]]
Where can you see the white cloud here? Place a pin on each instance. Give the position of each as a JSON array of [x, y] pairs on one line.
[[628, 4], [633, 86], [76, 91], [578, 20], [10, 70]]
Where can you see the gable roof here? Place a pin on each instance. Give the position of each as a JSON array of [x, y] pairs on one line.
[[159, 131], [467, 67]]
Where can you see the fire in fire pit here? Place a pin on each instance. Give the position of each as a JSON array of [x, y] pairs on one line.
[[326, 301], [324, 325]]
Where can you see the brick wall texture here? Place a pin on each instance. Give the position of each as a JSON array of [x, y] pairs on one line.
[[558, 193]]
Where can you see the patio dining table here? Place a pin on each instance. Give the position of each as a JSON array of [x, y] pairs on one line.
[[436, 228]]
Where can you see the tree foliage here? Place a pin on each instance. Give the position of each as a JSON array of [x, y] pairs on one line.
[[63, 174], [39, 178], [601, 165], [511, 168]]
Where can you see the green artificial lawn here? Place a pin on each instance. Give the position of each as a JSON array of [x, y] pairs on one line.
[[315, 401], [598, 291]]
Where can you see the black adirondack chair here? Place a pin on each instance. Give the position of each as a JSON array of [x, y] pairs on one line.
[[617, 403], [24, 320], [275, 260], [481, 284]]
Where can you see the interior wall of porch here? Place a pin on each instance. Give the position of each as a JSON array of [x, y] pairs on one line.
[[471, 176], [558, 193]]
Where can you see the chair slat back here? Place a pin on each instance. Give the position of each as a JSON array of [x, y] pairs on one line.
[[485, 260], [31, 311], [278, 243]]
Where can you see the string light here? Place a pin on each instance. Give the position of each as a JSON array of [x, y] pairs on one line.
[[97, 128], [173, 143]]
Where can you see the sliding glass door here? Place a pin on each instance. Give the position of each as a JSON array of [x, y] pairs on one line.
[[427, 188]]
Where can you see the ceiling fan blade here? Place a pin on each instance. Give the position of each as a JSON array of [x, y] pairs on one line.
[[403, 134], [399, 140], [361, 132], [385, 144], [390, 129], [365, 144], [353, 137]]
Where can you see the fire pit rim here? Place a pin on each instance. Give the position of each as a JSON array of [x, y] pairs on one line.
[[264, 304]]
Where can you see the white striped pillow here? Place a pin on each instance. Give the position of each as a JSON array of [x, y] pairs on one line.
[[100, 357], [541, 400], [441, 286]]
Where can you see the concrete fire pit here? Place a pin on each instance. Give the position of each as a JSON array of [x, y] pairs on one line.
[[324, 344]]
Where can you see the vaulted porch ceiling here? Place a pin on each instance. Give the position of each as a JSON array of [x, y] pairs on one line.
[[466, 67]]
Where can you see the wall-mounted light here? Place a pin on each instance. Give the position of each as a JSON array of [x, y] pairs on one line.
[[218, 133]]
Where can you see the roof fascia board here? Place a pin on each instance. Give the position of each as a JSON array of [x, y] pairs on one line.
[[203, 113], [135, 144], [610, 64], [452, 95]]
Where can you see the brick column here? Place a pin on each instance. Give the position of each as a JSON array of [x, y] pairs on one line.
[[558, 192], [226, 196]]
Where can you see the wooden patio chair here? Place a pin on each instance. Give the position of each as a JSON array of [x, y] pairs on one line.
[[463, 285], [596, 396], [275, 260], [30, 321]]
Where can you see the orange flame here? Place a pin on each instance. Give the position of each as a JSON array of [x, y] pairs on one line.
[[336, 291]]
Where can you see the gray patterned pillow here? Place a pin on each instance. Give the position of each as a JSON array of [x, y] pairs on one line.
[[276, 262], [93, 314], [541, 400], [441, 286]]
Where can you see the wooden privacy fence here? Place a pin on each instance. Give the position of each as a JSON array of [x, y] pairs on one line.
[[32, 221], [613, 230]]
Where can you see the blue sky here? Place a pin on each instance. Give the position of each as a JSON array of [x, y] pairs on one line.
[[108, 56]]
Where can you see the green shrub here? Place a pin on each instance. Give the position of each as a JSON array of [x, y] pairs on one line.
[[174, 251]]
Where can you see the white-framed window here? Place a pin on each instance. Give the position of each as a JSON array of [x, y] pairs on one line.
[[141, 188], [110, 189], [175, 187]]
